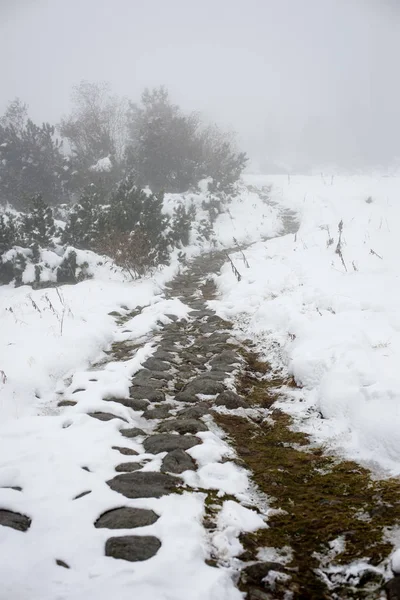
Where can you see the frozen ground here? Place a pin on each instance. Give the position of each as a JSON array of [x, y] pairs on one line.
[[56, 461], [46, 334], [329, 314]]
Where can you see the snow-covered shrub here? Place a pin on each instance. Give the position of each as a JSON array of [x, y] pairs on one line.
[[37, 227], [172, 151], [181, 223]]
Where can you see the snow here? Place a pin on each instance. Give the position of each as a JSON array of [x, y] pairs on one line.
[[52, 345], [49, 334], [102, 165], [336, 330], [46, 457], [233, 520], [57, 457]]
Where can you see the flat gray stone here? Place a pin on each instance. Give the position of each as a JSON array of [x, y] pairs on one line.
[[231, 400], [126, 451], [8, 518], [186, 396], [128, 467], [141, 484], [158, 412], [132, 432], [103, 416], [177, 461], [154, 364], [193, 412], [143, 392], [155, 379], [130, 403], [182, 426], [204, 385], [126, 518], [66, 403], [161, 354], [227, 357], [165, 442], [133, 547], [214, 374], [201, 313], [218, 338]]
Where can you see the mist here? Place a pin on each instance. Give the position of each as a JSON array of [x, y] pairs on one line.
[[303, 84]]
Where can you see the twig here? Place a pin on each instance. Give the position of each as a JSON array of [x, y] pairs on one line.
[[375, 254], [234, 269], [246, 262], [339, 245]]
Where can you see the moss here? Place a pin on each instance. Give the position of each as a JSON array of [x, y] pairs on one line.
[[322, 497]]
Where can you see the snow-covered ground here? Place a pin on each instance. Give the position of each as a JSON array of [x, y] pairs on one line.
[[45, 335], [61, 458], [330, 315]]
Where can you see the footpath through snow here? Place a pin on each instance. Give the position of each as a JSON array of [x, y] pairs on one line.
[[169, 468], [324, 304]]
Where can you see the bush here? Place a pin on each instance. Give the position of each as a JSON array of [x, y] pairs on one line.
[[171, 151], [85, 221], [182, 220], [31, 161], [37, 227], [131, 251], [9, 232]]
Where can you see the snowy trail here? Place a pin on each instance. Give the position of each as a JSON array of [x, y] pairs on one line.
[[165, 472], [110, 496]]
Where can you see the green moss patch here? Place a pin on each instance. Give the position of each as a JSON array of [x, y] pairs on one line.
[[320, 497]]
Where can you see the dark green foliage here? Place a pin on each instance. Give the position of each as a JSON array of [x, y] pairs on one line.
[[95, 130], [9, 233], [67, 270], [38, 227], [6, 272], [171, 151], [163, 150], [86, 221], [135, 218], [19, 263], [181, 224], [31, 161], [221, 160]]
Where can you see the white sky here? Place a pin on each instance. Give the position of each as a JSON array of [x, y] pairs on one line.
[[300, 80]]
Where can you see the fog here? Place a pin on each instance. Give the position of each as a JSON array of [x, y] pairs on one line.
[[310, 82]]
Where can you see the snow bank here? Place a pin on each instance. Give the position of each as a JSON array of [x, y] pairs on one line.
[[45, 335], [336, 318]]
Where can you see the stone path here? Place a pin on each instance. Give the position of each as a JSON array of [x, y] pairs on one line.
[[192, 372]]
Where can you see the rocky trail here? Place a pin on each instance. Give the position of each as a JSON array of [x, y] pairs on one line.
[[194, 463]]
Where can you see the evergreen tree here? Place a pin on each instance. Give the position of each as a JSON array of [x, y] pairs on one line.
[[164, 150], [96, 134], [9, 232], [38, 225], [31, 161], [172, 151], [86, 221], [182, 220]]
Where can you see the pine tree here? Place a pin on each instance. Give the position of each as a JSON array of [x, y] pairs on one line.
[[86, 221], [31, 161], [38, 225], [9, 232], [182, 220]]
